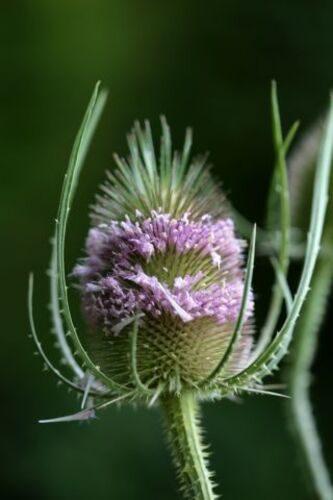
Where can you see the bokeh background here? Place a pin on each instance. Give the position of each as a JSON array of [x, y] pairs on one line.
[[205, 64]]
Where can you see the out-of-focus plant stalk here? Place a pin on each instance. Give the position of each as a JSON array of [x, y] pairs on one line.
[[308, 327], [303, 353]]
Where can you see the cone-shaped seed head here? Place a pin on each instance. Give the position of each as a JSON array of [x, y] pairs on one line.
[[179, 275]]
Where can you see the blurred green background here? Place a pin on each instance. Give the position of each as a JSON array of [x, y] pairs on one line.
[[205, 64]]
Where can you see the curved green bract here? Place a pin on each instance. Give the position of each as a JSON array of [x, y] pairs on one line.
[[272, 355], [140, 385], [241, 316], [48, 363], [62, 342], [57, 319], [278, 197], [87, 413], [77, 157], [283, 284]]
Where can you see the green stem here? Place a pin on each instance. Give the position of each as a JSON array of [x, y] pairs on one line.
[[188, 451], [299, 380]]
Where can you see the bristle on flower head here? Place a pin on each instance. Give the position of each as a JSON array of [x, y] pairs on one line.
[[178, 273], [174, 183]]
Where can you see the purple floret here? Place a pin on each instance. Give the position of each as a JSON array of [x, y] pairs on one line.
[[117, 287]]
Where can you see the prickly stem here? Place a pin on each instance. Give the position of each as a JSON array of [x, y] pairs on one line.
[[188, 452]]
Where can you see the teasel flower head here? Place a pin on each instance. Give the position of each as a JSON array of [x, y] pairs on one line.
[[177, 279], [166, 280], [165, 289]]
